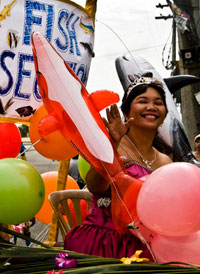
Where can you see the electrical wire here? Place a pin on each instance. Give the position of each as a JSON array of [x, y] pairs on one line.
[[124, 44]]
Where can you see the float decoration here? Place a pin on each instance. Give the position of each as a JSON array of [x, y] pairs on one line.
[[10, 140], [22, 191], [66, 98], [85, 263], [69, 26]]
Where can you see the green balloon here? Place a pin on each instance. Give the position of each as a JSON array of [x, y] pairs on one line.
[[83, 167], [22, 191]]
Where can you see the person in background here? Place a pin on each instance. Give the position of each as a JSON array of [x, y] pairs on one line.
[[23, 228], [22, 152], [26, 227], [144, 109], [197, 147], [4, 237]]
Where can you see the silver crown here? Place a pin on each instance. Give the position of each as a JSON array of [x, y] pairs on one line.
[[139, 81]]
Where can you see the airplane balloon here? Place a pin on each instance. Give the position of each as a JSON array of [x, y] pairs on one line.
[[75, 113]]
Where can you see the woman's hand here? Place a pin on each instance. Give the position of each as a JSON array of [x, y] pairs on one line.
[[116, 127]]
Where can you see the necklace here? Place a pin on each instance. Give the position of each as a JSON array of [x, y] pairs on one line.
[[145, 161]]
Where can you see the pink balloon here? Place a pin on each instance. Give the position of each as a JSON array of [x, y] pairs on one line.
[[169, 200], [177, 249], [144, 178], [146, 233]]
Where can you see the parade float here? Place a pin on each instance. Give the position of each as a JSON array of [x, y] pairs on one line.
[[168, 222]]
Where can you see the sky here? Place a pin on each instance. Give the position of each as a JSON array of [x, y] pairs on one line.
[[122, 26]]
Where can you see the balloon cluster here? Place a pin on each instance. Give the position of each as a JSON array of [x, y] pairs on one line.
[[168, 209], [24, 192], [22, 189], [168, 203]]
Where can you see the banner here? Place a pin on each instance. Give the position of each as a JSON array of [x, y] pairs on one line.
[[70, 29]]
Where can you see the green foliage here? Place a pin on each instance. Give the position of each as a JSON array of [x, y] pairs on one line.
[[23, 130], [16, 259], [22, 259]]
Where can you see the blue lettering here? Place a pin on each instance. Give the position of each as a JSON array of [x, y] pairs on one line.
[[49, 25], [22, 73], [3, 56], [63, 15], [72, 65], [72, 35], [31, 20], [81, 72], [36, 92], [70, 38]]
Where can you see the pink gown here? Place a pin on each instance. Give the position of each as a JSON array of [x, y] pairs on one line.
[[97, 235]]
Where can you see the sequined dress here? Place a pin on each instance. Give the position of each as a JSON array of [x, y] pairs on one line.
[[97, 235]]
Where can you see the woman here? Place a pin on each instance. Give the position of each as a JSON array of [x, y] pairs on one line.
[[197, 147], [144, 109]]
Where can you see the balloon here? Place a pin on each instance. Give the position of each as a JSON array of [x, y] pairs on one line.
[[10, 140], [50, 181], [143, 178], [83, 205], [53, 145], [21, 191], [169, 200], [83, 167], [177, 249], [146, 233]]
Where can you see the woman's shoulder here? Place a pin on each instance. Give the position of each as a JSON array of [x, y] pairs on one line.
[[163, 159]]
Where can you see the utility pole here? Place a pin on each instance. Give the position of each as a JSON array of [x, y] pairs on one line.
[[186, 22], [188, 12], [172, 64]]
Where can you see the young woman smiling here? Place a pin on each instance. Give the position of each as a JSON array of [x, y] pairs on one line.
[[144, 109]]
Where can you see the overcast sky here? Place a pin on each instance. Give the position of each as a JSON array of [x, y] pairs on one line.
[[134, 23]]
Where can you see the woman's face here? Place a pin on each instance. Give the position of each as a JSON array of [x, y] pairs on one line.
[[197, 144], [147, 109]]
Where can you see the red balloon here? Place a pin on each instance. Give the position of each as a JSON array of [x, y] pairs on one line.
[[83, 205], [10, 140]]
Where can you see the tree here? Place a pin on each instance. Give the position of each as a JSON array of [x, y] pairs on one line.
[[23, 130]]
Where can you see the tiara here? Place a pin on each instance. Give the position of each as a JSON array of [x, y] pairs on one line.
[[139, 81]]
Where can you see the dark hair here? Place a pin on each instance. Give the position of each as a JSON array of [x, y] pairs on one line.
[[136, 90], [161, 145]]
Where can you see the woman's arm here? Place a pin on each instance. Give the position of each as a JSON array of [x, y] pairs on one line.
[[95, 182], [117, 129]]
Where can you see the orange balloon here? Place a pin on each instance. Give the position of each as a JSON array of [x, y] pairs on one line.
[[52, 146], [50, 181]]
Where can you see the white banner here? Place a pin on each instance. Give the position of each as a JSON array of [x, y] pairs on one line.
[[65, 24]]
